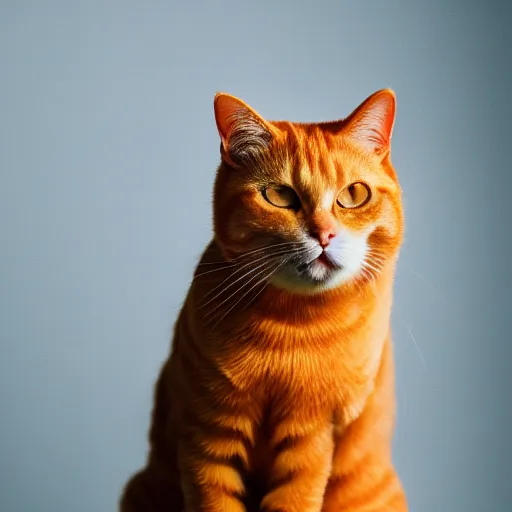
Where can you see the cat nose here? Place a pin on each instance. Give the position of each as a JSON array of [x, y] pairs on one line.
[[324, 237], [323, 228]]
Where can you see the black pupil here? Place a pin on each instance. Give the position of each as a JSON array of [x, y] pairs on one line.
[[286, 194]]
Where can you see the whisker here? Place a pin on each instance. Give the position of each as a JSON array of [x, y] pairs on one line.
[[266, 264], [255, 296], [264, 279], [375, 268], [375, 250], [376, 259], [280, 265], [428, 283], [222, 262], [213, 270], [358, 286], [265, 248], [244, 255], [370, 276], [376, 255], [263, 258], [241, 264], [412, 337], [372, 265], [239, 259]]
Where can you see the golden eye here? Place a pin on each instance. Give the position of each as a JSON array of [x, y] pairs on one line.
[[282, 197], [354, 196]]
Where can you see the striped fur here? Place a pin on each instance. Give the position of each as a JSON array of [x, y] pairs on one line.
[[278, 394]]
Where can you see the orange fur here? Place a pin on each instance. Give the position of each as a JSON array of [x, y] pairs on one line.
[[278, 394]]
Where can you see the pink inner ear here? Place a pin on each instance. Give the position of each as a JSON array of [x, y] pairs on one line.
[[226, 107], [244, 133], [371, 124]]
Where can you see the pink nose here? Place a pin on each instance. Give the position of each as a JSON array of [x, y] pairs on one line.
[[323, 228], [324, 237]]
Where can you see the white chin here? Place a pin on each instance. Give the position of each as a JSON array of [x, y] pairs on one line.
[[316, 278]]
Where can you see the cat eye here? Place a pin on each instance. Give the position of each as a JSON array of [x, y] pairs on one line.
[[282, 197], [354, 196]]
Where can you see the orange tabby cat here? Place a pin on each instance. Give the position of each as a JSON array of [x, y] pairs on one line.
[[279, 391]]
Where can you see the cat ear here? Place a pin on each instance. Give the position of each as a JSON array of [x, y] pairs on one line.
[[371, 123], [244, 134]]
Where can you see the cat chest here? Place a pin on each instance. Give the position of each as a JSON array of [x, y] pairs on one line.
[[298, 377]]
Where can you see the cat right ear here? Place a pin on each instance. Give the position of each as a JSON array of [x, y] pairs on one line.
[[371, 124], [245, 135]]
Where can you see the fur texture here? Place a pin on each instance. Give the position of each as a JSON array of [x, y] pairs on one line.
[[278, 394]]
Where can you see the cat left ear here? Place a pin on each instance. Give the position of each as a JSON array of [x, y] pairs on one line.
[[244, 134], [371, 124]]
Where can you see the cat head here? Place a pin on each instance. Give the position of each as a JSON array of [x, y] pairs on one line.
[[313, 206]]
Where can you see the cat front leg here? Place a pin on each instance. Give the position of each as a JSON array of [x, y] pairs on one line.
[[363, 477], [301, 466], [213, 457], [372, 486]]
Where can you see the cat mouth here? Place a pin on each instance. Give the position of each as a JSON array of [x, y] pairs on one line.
[[313, 273], [325, 261], [319, 269]]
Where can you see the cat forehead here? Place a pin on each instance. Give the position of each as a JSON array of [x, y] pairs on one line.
[[319, 153], [323, 173]]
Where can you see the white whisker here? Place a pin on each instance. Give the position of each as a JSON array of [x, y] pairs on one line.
[[213, 270], [428, 283], [265, 248], [376, 256], [412, 337], [238, 289], [265, 278], [264, 258], [372, 265], [222, 262], [371, 274], [236, 262]]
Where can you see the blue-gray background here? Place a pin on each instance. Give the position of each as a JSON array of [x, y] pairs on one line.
[[108, 152]]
